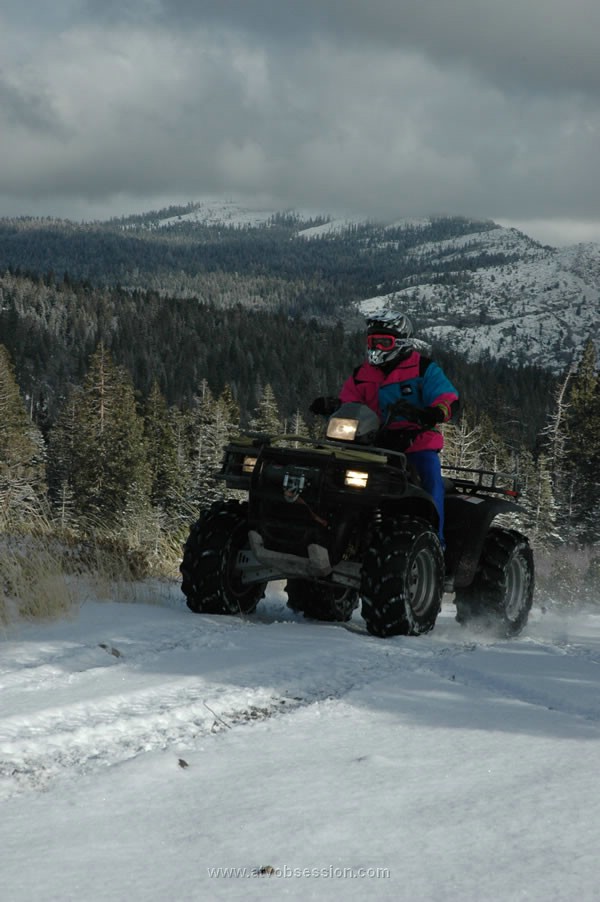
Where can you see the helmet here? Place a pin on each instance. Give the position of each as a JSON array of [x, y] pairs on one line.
[[389, 336]]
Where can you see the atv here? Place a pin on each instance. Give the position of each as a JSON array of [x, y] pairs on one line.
[[346, 522]]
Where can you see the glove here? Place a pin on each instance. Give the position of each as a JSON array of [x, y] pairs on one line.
[[427, 417], [325, 405]]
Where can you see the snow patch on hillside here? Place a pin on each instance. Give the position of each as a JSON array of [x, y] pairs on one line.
[[538, 308], [217, 211], [490, 292]]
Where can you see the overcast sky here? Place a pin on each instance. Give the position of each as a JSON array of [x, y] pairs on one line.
[[381, 108]]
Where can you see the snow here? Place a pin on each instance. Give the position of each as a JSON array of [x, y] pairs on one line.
[[333, 227], [539, 307], [142, 746], [219, 211], [232, 212]]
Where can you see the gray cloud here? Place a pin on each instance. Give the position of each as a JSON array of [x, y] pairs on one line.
[[25, 109], [382, 109], [543, 45]]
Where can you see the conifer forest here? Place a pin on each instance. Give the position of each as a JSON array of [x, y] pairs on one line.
[[117, 401]]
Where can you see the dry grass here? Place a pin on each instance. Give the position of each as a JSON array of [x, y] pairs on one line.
[[47, 572], [568, 576], [33, 582]]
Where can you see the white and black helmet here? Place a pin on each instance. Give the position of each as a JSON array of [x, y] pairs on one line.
[[389, 335]]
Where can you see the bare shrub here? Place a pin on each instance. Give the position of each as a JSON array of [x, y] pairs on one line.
[[567, 575], [48, 570], [33, 582]]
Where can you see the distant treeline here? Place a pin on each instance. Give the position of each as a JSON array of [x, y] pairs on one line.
[[51, 331], [306, 276]]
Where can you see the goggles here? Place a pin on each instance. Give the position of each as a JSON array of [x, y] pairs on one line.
[[381, 342]]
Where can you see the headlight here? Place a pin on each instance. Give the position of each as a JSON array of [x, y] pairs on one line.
[[248, 464], [356, 479], [343, 429]]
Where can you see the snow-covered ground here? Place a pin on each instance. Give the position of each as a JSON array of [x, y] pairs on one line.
[[149, 754]]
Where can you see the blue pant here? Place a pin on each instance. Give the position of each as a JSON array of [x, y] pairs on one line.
[[427, 464]]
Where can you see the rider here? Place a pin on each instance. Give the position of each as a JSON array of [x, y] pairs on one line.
[[396, 373]]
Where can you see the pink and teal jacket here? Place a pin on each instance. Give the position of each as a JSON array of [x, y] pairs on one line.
[[418, 380]]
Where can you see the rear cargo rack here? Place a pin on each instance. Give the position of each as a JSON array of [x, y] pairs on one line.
[[470, 480]]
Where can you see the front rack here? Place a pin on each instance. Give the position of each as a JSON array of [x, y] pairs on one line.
[[466, 480]]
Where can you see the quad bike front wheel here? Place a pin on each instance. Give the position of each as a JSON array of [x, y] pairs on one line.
[[208, 569], [403, 579], [500, 597], [319, 602]]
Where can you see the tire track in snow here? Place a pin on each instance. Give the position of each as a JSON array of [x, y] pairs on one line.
[[91, 735], [85, 708], [529, 671], [175, 682]]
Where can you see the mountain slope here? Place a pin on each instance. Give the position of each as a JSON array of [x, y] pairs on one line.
[[473, 286], [539, 307], [487, 290]]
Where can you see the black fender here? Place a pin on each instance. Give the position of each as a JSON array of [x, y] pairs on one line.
[[467, 521], [415, 503]]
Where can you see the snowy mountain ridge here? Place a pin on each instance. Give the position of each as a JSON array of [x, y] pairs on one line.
[[539, 308], [473, 286], [491, 290]]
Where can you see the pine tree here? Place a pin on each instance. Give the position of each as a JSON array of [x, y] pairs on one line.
[[22, 453], [167, 478], [463, 444], [296, 426], [539, 501], [61, 457], [494, 453], [554, 434], [200, 451], [211, 424], [109, 468], [554, 442], [582, 458], [266, 417], [231, 406]]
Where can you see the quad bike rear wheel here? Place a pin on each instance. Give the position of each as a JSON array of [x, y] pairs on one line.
[[209, 580], [500, 597], [403, 579], [319, 602]]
